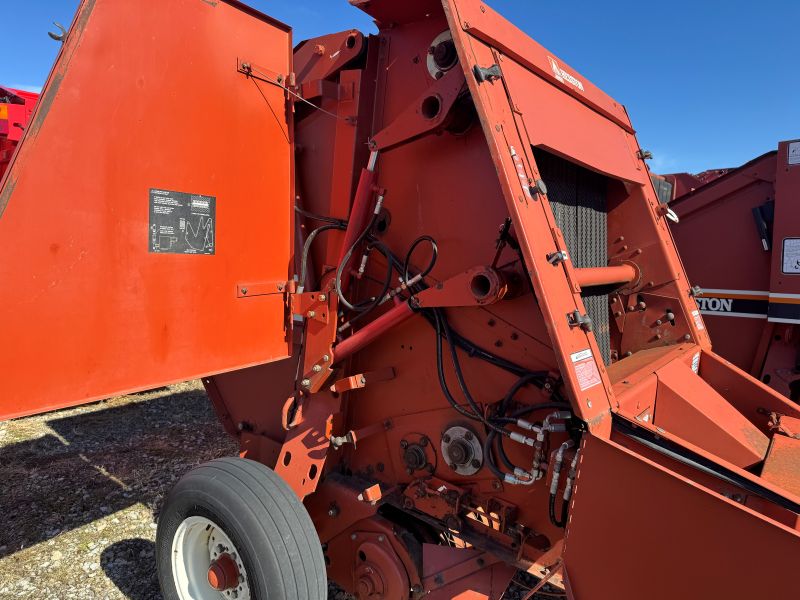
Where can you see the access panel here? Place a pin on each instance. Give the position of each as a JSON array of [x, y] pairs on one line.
[[145, 223]]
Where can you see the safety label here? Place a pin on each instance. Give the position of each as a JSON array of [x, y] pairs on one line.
[[182, 223], [791, 255], [794, 153], [585, 369]]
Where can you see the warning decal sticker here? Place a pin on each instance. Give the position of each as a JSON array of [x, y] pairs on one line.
[[585, 369], [698, 320], [182, 223], [791, 256], [794, 153]]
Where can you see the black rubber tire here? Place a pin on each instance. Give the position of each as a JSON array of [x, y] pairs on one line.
[[265, 520]]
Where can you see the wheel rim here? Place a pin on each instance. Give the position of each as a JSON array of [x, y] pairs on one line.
[[201, 553]]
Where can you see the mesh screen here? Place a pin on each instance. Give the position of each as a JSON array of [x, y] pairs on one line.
[[578, 199]]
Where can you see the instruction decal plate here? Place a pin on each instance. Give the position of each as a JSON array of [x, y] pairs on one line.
[[794, 153], [182, 223], [790, 262]]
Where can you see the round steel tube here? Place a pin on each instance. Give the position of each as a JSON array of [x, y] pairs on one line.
[[605, 275]]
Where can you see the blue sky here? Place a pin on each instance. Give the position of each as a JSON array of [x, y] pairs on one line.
[[708, 83]]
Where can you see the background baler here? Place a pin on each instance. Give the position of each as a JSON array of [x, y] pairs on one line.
[[738, 237], [16, 107], [427, 283]]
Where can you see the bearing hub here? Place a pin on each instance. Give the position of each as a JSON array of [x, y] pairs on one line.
[[462, 450], [444, 55], [223, 574]]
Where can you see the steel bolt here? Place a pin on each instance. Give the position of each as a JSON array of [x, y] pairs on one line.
[[316, 368], [325, 358], [476, 464], [658, 321], [446, 438], [244, 291], [353, 536], [312, 314], [322, 297], [381, 538], [468, 436], [306, 383], [403, 444], [423, 441]]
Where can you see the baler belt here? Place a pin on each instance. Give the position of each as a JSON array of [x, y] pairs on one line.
[[578, 199]]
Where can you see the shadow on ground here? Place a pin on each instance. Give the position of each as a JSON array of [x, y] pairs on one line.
[[131, 565], [101, 461]]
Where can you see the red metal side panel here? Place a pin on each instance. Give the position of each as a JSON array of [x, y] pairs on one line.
[[147, 96], [572, 130], [489, 26], [644, 516]]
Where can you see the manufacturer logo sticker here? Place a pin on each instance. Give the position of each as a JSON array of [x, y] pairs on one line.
[[563, 76]]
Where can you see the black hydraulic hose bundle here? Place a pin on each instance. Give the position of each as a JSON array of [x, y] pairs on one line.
[[495, 425]]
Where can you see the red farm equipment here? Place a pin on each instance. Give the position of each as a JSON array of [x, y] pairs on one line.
[[16, 107], [739, 238], [429, 287]]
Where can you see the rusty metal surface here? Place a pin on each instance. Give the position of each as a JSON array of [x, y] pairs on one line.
[[782, 465]]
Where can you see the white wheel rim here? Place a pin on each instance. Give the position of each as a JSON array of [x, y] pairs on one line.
[[199, 541]]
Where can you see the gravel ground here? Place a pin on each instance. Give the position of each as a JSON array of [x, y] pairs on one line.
[[82, 488]]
